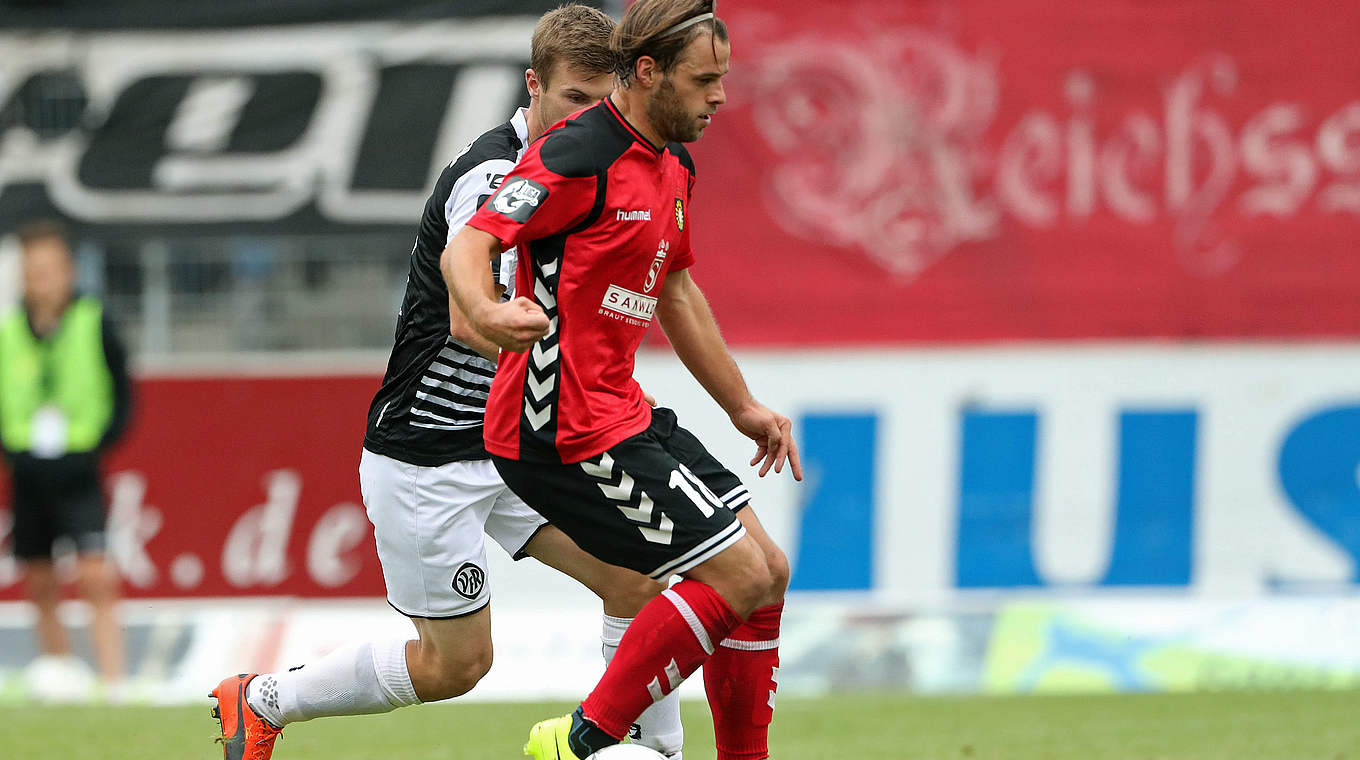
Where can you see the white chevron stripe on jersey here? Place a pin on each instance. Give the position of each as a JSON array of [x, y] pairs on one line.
[[541, 357], [540, 376], [538, 389], [537, 418], [545, 299]]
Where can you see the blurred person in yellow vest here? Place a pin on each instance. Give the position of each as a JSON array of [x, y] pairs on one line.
[[64, 399]]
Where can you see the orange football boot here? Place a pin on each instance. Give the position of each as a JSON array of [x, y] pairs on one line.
[[245, 735]]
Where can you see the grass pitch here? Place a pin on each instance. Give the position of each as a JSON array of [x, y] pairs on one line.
[[1264, 726]]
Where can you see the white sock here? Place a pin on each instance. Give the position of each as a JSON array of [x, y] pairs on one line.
[[357, 679], [659, 725]]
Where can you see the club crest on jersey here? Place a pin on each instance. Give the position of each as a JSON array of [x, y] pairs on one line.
[[469, 580], [655, 270], [679, 215], [518, 198]]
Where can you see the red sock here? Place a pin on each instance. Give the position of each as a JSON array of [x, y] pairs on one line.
[[740, 679], [667, 641]]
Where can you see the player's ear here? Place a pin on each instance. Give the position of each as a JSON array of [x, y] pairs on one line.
[[645, 70], [531, 83]]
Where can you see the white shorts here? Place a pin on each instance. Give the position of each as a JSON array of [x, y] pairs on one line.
[[428, 522]]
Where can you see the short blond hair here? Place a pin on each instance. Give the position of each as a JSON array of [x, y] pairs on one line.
[[577, 36]]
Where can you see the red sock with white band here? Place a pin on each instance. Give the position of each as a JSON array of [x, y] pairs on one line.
[[741, 678], [668, 640]]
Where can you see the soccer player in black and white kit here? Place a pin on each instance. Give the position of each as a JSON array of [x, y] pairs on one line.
[[427, 480]]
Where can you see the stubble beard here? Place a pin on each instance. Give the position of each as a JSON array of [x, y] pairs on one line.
[[669, 117]]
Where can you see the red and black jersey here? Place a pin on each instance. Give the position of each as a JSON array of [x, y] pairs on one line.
[[599, 216]]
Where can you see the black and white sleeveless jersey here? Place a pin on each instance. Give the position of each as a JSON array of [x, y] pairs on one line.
[[429, 409]]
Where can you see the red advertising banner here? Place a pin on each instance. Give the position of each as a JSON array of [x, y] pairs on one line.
[[986, 169], [238, 487]]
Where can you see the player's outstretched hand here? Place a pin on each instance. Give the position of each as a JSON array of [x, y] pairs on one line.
[[515, 325], [773, 434]]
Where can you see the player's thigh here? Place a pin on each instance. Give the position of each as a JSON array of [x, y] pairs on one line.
[[427, 523], [631, 506], [623, 591]]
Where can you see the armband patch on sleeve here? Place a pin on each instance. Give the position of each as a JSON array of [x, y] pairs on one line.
[[518, 198]]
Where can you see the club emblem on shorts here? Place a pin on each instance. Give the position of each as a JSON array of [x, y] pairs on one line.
[[519, 198], [469, 580], [679, 215]]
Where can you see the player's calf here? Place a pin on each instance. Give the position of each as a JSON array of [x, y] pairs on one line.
[[437, 675]]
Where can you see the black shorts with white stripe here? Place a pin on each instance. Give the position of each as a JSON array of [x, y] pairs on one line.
[[657, 503]]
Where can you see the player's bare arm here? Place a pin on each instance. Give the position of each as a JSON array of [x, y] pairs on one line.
[[689, 324], [462, 331], [514, 325]]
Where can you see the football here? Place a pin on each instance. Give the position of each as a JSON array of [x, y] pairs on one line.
[[627, 752]]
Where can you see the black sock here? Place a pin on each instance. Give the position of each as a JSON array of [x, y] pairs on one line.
[[586, 738]]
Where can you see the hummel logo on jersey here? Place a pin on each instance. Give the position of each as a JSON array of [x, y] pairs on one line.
[[633, 216], [519, 198]]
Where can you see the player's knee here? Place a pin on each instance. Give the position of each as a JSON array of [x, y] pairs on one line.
[[467, 673], [629, 593], [752, 585], [99, 583], [43, 585], [778, 564]]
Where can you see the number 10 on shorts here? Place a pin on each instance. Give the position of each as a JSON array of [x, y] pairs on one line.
[[695, 489]]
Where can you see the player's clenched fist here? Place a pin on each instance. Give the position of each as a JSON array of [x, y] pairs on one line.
[[514, 325]]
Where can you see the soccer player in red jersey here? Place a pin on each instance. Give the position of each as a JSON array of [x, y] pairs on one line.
[[598, 210]]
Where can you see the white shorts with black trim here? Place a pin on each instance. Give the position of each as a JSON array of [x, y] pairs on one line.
[[429, 523]]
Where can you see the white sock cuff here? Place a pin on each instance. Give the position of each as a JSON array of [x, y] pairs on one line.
[[614, 628], [750, 646], [389, 661]]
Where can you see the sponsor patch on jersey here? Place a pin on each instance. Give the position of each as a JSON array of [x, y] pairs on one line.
[[519, 198], [634, 307], [679, 215]]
